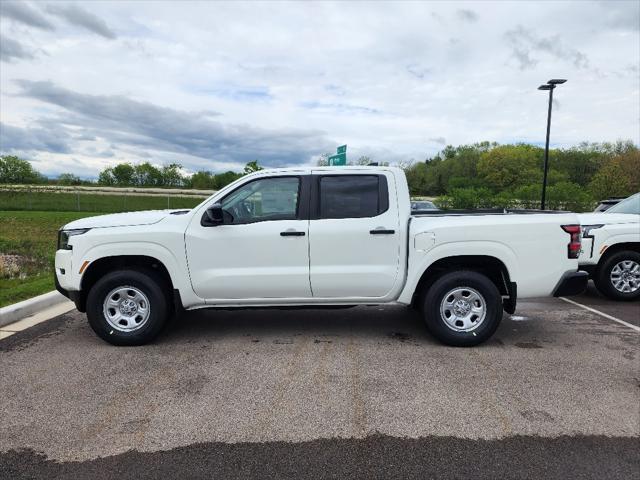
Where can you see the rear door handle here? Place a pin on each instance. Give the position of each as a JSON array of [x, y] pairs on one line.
[[381, 231], [291, 233]]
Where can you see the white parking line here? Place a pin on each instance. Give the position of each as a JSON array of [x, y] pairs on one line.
[[602, 314]]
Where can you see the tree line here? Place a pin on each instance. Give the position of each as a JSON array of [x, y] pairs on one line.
[[483, 174], [487, 174], [14, 170]]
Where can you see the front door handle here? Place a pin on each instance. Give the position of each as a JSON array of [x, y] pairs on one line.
[[381, 231], [291, 233]]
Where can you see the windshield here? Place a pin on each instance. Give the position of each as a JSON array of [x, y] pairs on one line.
[[628, 205]]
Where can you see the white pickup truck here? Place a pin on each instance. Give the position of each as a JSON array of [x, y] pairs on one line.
[[611, 249], [335, 236]]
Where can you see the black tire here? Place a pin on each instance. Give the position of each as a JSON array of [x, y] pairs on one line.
[[463, 279], [602, 278], [147, 282]]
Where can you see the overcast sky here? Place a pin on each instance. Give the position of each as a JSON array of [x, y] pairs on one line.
[[214, 85]]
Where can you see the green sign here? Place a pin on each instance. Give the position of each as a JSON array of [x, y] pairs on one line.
[[339, 159]]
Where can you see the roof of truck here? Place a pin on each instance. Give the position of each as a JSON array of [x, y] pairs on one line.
[[309, 169]]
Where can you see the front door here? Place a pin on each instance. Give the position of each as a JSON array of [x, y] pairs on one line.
[[261, 251]]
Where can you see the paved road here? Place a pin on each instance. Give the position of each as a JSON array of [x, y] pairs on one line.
[[361, 392]]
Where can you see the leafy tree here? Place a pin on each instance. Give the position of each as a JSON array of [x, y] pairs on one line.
[[171, 175], [147, 175], [630, 163], [569, 196], [105, 177], [68, 179], [509, 165], [223, 179], [17, 170], [323, 161], [611, 181], [123, 175], [362, 160], [202, 180], [466, 198], [252, 167]]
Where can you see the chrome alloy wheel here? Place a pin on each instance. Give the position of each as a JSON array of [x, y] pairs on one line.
[[625, 276], [463, 309], [126, 309]]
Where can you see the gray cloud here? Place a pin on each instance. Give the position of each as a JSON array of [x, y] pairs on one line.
[[438, 140], [82, 18], [121, 120], [523, 42], [467, 15], [22, 12], [523, 57], [50, 139], [11, 50], [338, 108], [622, 15], [418, 71]]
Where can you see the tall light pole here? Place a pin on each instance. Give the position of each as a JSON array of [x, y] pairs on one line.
[[550, 85]]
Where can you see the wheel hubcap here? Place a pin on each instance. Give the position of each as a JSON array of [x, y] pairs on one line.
[[463, 309], [126, 308], [625, 276]]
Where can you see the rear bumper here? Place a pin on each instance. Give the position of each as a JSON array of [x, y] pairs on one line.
[[589, 268], [571, 283]]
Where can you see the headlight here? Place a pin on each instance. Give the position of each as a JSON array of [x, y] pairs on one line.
[[586, 229], [64, 235]]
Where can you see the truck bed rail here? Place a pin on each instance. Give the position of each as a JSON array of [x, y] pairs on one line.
[[482, 211]]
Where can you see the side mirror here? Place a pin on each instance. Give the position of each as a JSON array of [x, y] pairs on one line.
[[212, 216]]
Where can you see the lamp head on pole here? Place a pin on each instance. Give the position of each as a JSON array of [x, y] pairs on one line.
[[545, 87], [556, 81]]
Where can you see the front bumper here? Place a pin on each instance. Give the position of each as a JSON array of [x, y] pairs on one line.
[[74, 296], [571, 283]]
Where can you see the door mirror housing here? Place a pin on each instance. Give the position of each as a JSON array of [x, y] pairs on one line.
[[212, 216]]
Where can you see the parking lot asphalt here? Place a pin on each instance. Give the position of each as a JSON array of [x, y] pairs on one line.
[[351, 393], [625, 311]]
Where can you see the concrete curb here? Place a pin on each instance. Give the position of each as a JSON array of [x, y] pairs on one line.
[[20, 310]]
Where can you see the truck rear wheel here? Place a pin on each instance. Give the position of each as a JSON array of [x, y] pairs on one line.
[[462, 308], [128, 307], [618, 277]]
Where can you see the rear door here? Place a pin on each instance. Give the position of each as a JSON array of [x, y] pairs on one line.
[[354, 234]]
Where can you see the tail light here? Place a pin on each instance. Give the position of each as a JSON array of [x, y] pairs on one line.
[[573, 249]]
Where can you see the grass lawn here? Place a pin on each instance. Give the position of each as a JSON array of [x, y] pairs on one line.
[[87, 202], [27, 250]]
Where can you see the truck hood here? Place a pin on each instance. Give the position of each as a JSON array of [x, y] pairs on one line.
[[147, 217], [604, 218]]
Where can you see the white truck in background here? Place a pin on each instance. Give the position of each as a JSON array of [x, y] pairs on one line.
[[316, 237], [611, 249]]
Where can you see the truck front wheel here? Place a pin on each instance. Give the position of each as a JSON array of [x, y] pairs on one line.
[[462, 308], [618, 277], [128, 307]]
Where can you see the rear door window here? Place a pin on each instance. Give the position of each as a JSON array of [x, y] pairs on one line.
[[352, 196]]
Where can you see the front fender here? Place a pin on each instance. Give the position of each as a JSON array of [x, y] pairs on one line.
[[177, 269]]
